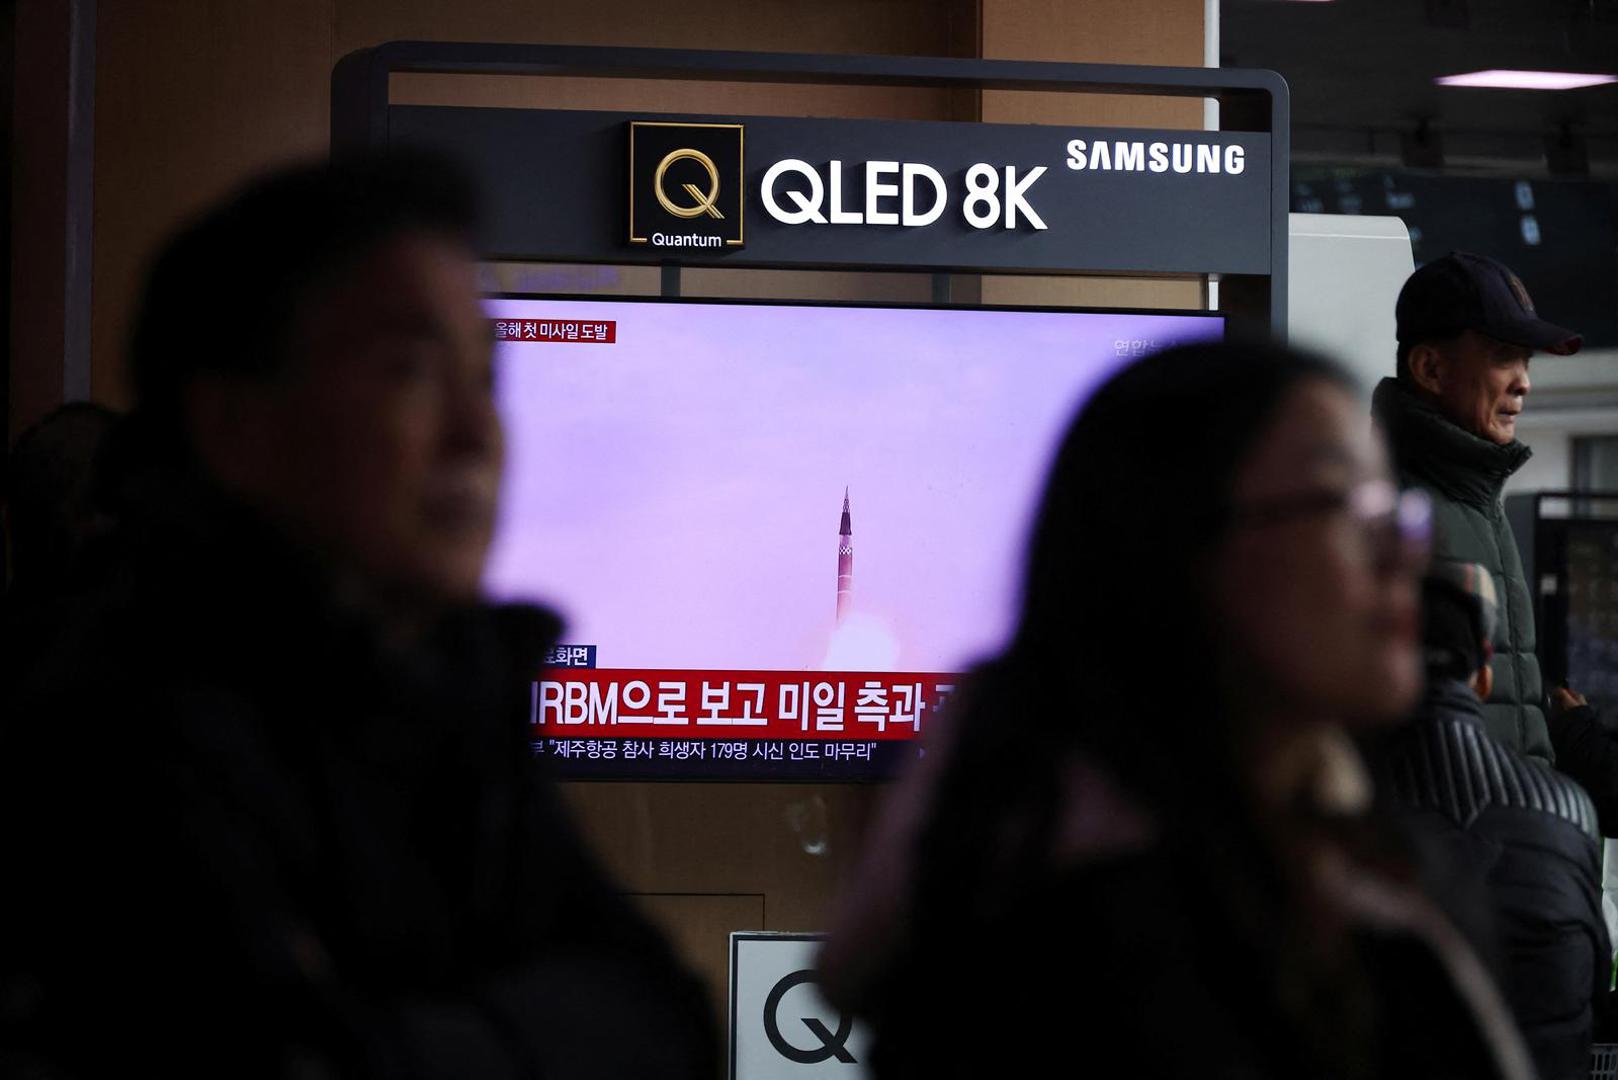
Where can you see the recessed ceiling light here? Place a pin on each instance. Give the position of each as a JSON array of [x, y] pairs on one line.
[[1527, 80]]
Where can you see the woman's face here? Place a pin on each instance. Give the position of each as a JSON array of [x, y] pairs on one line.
[[1315, 586]]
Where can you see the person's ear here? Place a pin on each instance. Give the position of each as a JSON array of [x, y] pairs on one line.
[[1427, 367], [1483, 681]]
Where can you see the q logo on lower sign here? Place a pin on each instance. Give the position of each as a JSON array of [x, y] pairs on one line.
[[832, 1044], [781, 1027]]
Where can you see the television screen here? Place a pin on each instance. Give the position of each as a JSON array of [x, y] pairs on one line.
[[777, 532]]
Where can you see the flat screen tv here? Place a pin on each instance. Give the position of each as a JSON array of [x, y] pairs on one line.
[[777, 532]]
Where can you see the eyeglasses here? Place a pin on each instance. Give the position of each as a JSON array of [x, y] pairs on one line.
[[1399, 524]]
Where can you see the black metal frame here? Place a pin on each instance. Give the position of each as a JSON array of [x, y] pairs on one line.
[[1250, 100], [896, 305], [1541, 541]]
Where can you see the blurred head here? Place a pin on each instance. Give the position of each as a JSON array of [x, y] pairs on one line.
[[1222, 514], [316, 347], [1459, 609], [1313, 582]]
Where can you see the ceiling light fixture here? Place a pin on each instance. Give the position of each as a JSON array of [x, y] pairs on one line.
[[1527, 80]]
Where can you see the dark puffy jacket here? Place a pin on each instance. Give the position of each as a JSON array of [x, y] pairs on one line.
[[1464, 475], [1587, 750], [246, 836], [1514, 833], [1160, 943]]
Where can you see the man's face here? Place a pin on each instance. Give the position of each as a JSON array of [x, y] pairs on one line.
[[1480, 383], [380, 445]]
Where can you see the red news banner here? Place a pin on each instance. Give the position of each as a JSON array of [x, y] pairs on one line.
[[590, 331], [611, 703]]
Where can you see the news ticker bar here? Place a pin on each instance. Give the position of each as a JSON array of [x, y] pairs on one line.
[[728, 705], [816, 760]]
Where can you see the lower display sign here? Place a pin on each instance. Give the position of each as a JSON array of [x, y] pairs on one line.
[[781, 1028]]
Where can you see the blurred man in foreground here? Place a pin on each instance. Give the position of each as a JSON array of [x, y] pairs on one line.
[[270, 809]]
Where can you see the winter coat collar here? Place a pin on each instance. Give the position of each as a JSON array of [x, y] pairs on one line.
[[1450, 701], [1432, 449]]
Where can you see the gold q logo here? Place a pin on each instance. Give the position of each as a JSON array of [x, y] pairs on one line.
[[704, 202], [671, 203]]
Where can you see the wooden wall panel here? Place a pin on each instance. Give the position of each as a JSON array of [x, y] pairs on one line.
[[788, 842], [191, 99], [652, 95], [700, 927], [1167, 32], [40, 161], [922, 27], [915, 27], [1099, 292]]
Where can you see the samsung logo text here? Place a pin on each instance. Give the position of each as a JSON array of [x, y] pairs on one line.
[[1157, 157]]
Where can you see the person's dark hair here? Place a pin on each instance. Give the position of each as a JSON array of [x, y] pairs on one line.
[[1113, 663], [1137, 495], [49, 484], [223, 295], [1401, 357], [1112, 657]]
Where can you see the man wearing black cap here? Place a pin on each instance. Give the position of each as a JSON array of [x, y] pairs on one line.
[[1467, 330], [1509, 844]]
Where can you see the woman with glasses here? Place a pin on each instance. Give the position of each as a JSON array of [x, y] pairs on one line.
[[1141, 848]]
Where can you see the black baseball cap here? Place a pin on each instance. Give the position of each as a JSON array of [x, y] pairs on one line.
[[1463, 291]]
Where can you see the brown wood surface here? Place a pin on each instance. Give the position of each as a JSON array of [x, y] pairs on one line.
[[1167, 32], [700, 927], [39, 196]]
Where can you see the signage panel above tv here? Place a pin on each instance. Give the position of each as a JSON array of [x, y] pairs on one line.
[[571, 185]]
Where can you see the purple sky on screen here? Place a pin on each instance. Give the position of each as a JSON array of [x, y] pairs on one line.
[[676, 494]]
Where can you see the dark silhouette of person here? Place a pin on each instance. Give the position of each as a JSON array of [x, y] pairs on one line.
[[1502, 831], [1143, 841], [270, 807]]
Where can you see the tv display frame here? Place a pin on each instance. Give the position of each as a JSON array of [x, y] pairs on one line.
[[698, 715]]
